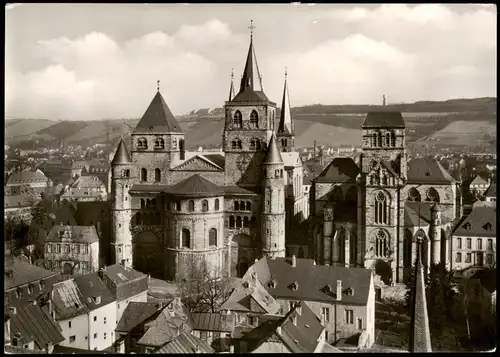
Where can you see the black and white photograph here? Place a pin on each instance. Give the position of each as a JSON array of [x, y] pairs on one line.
[[250, 178]]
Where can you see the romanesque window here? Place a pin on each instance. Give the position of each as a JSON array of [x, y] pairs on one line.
[[144, 175], [242, 205], [182, 149], [148, 203], [126, 173], [212, 237], [216, 206], [249, 206], [254, 120], [159, 143], [414, 195], [178, 206], [381, 216], [204, 206], [231, 222], [381, 244], [255, 144], [157, 175], [191, 206], [236, 206], [432, 195], [379, 139], [186, 238], [387, 139], [236, 144], [393, 139], [237, 121], [142, 144], [239, 222]]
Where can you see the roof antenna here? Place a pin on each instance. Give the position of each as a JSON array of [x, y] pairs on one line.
[[251, 27], [158, 85]]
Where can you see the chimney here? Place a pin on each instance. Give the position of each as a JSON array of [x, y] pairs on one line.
[[294, 261], [13, 310], [339, 290], [278, 330]]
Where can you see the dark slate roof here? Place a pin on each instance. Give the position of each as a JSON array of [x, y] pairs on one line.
[[312, 280], [135, 314], [237, 190], [195, 186], [186, 343], [427, 170], [158, 118], [141, 188], [478, 221], [67, 300], [249, 95], [91, 286], [36, 325], [384, 120], [491, 191], [80, 234], [121, 155], [23, 273], [273, 155], [341, 169], [207, 321], [114, 271], [91, 211], [217, 159], [26, 177]]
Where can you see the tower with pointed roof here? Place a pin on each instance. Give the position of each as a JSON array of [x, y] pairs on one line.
[[122, 176], [273, 202], [249, 123], [286, 133], [435, 235]]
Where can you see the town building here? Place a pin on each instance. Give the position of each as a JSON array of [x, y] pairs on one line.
[[19, 201], [35, 179], [213, 328], [92, 185], [101, 171], [342, 298], [479, 184], [72, 250], [491, 193], [474, 239]]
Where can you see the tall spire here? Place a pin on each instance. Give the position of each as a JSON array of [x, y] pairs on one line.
[[121, 155], [231, 89], [420, 336], [286, 125], [251, 75], [273, 155]]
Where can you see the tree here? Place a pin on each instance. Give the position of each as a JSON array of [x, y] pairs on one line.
[[202, 290]]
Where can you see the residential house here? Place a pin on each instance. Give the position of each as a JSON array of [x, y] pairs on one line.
[[126, 285], [342, 298], [57, 170], [25, 283], [474, 239], [479, 184], [102, 171], [31, 328], [35, 179], [91, 183], [185, 343], [80, 194], [490, 195], [74, 250], [18, 201], [213, 328]]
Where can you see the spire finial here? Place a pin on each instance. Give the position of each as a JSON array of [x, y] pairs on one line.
[[251, 27], [232, 73], [286, 72], [158, 85]]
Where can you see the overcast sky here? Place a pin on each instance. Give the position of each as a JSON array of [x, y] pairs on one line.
[[102, 61]]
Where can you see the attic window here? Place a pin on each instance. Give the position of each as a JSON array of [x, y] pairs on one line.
[[76, 305], [427, 173], [272, 284], [245, 284], [294, 286], [349, 291], [467, 226], [487, 226], [327, 289]]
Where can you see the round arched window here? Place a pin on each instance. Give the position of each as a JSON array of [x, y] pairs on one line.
[[380, 196]]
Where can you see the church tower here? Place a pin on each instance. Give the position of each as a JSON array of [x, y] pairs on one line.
[[249, 124], [121, 214], [286, 133], [273, 210], [383, 172]]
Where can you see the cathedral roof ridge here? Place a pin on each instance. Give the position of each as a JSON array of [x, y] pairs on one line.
[[158, 118]]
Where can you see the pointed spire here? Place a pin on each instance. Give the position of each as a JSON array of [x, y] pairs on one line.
[[286, 125], [231, 89], [158, 118], [121, 155], [420, 336], [251, 75], [273, 155]]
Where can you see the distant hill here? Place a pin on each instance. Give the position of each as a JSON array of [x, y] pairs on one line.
[[327, 124]]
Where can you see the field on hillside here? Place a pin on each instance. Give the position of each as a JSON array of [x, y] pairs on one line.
[[25, 127]]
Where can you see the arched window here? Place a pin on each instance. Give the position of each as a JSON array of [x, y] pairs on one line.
[[142, 144], [281, 173], [336, 194], [374, 140], [212, 237], [246, 222], [238, 144], [191, 206], [239, 222], [254, 120], [231, 221], [126, 173], [143, 203], [381, 249], [216, 206], [384, 179], [144, 175], [159, 143], [249, 206], [255, 144], [157, 175], [381, 209], [178, 206], [238, 121], [236, 206], [186, 238], [242, 205], [182, 149], [204, 206], [234, 145], [148, 203], [414, 195], [393, 139], [379, 139], [387, 139], [407, 247], [432, 195]]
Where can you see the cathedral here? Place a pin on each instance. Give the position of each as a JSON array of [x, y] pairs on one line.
[[171, 207]]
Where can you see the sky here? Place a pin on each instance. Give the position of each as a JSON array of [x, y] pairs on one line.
[[102, 61]]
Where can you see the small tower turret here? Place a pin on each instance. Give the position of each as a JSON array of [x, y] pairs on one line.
[[286, 133], [273, 211], [435, 233], [121, 179]]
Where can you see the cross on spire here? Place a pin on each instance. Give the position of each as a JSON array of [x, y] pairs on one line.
[[251, 27], [286, 72], [232, 73], [158, 85]]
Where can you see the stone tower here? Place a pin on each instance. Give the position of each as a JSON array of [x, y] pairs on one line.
[[273, 210], [383, 168], [435, 234], [249, 124], [286, 133], [122, 177]]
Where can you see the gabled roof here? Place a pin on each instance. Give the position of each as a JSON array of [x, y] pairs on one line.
[[88, 182], [23, 273], [427, 170], [34, 324], [202, 163], [81, 234], [158, 118], [92, 287], [491, 191], [26, 177], [273, 155], [341, 169], [135, 314], [186, 343], [207, 321], [121, 155], [195, 186], [218, 159], [67, 300], [384, 120], [481, 222], [120, 275]]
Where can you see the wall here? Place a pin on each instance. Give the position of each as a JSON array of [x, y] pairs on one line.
[[272, 347], [92, 257], [79, 329], [102, 327], [473, 250]]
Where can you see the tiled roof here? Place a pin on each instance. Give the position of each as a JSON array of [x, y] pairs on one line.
[[195, 186], [341, 169], [273, 155], [217, 159], [491, 191], [207, 321], [419, 213], [384, 120], [115, 273], [18, 190], [81, 192], [481, 222], [91, 211], [427, 170], [67, 300], [135, 314], [81, 234], [26, 177], [158, 118], [312, 280], [92, 287], [141, 188], [23, 273], [250, 96], [121, 155], [33, 324], [88, 182], [185, 343]]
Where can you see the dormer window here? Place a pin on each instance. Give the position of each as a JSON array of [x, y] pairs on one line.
[[245, 284], [327, 289], [272, 284], [467, 226], [487, 226], [349, 291], [294, 286]]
